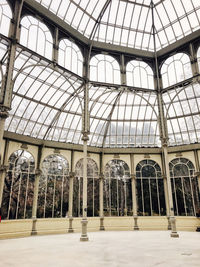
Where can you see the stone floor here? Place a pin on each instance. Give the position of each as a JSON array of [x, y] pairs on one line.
[[113, 249]]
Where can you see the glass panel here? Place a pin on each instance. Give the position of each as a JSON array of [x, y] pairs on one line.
[[185, 192], [146, 194], [18, 189], [5, 17], [70, 56], [53, 193], [36, 36], [92, 185], [117, 189], [104, 68], [139, 74], [176, 69], [150, 189]]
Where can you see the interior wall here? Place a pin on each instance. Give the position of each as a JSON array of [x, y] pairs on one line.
[[33, 149], [28, 227]]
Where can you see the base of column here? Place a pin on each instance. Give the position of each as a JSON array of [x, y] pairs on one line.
[[136, 227], [70, 229], [174, 234], [198, 229], [34, 231], [84, 236], [173, 225], [101, 228], [169, 224]]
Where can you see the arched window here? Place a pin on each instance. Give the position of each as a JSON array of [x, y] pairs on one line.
[[17, 198], [36, 36], [104, 68], [175, 69], [92, 189], [117, 189], [185, 190], [53, 187], [139, 74], [70, 56], [150, 189], [5, 17]]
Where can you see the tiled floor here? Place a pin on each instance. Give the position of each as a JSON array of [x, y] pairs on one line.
[[113, 249]]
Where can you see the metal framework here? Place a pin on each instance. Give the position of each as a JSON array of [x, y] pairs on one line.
[[86, 75], [47, 98]]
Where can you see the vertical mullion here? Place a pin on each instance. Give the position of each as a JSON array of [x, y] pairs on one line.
[[173, 179], [183, 192], [27, 183], [142, 195], [45, 196], [62, 189], [19, 188], [150, 197], [194, 208], [117, 197], [54, 189], [11, 189]]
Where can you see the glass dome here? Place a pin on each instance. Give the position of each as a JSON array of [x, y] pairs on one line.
[[129, 23], [52, 65]]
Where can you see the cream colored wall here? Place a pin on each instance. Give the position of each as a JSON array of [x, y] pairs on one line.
[[140, 157], [21, 228], [188, 155], [13, 146], [137, 159]]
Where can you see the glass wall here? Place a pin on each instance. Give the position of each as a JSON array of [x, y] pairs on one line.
[[185, 190], [92, 189], [70, 56], [18, 189], [42, 43], [117, 189], [150, 189], [53, 194], [104, 68]]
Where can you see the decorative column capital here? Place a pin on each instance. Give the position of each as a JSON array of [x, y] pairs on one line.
[[38, 172], [197, 173], [164, 176], [164, 141], [101, 176], [3, 168], [85, 136], [133, 176], [4, 112], [71, 175]]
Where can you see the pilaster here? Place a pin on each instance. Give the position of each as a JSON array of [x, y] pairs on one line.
[[3, 170]]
